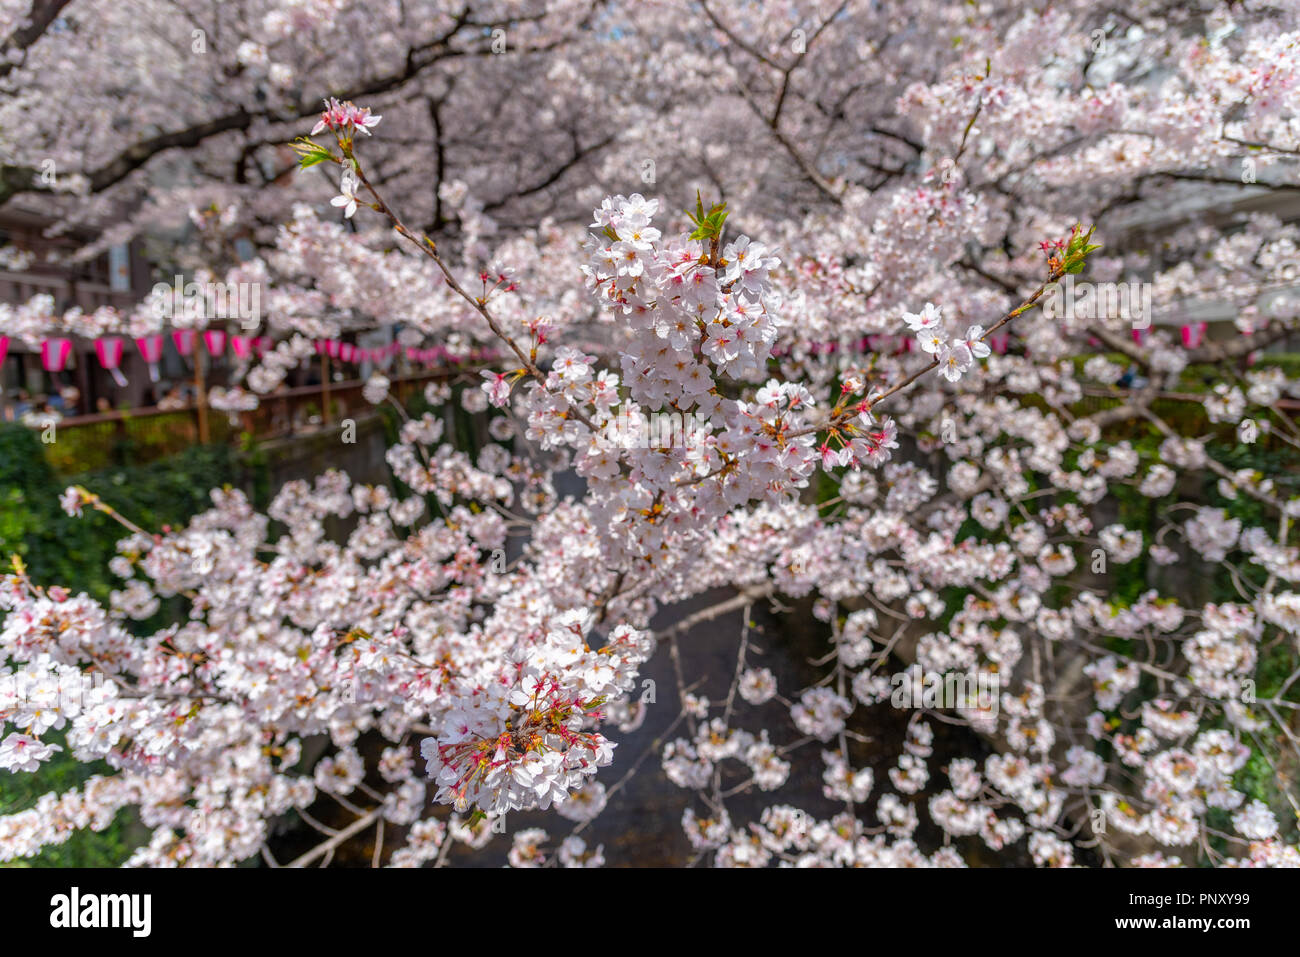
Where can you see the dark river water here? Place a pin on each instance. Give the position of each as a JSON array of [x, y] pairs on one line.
[[641, 825]]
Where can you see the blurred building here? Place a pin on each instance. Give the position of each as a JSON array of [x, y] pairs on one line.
[[34, 262], [1226, 207]]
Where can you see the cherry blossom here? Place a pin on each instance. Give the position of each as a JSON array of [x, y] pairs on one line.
[[893, 442]]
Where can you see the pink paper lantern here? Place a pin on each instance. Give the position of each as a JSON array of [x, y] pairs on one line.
[[242, 346], [184, 341], [214, 340], [4, 348], [55, 353], [109, 351], [151, 349], [1193, 334]]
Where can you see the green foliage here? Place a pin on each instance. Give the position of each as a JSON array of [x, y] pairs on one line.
[[1076, 253], [1288, 362], [1271, 764], [707, 225], [131, 440], [20, 792], [310, 153], [59, 549], [1261, 780], [31, 523], [74, 552]]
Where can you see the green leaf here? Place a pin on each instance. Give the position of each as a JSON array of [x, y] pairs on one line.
[[707, 225], [310, 152]]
